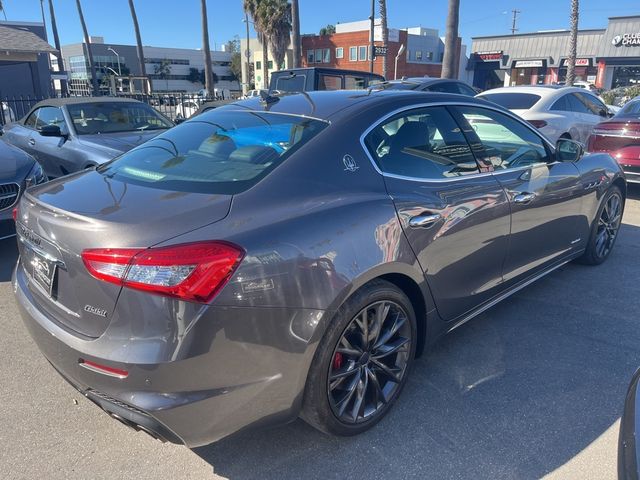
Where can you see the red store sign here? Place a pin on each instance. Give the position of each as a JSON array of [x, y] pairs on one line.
[[489, 56]]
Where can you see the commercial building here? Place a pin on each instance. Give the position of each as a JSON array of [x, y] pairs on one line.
[[254, 78], [608, 57], [24, 60], [181, 72], [349, 48]]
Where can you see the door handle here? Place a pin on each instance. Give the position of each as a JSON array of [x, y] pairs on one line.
[[524, 197], [424, 221], [32, 142]]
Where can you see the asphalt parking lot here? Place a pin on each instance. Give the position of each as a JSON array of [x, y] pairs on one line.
[[533, 387]]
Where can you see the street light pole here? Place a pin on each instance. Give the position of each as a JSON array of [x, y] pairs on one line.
[[118, 56], [373, 15], [395, 70]]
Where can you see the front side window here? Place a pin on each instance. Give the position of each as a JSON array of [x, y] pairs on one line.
[[51, 116], [593, 104], [576, 105], [353, 54], [224, 151], [112, 117], [501, 142], [422, 143]]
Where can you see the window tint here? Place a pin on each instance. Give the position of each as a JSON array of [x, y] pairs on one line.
[[291, 83], [112, 117], [445, 87], [500, 141], [513, 101], [576, 105], [593, 104], [51, 116], [223, 151], [329, 82], [354, 83], [561, 105], [467, 90], [423, 143]]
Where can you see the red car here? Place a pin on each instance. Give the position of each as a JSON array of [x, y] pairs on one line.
[[620, 137]]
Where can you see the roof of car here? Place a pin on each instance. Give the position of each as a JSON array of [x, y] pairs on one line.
[[59, 102], [326, 104], [541, 90]]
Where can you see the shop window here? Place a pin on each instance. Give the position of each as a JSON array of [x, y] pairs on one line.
[[626, 76]]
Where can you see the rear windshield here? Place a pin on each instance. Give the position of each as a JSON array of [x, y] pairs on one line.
[[513, 101], [630, 109], [113, 117], [222, 151], [291, 83]]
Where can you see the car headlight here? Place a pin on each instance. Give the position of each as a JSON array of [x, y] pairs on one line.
[[36, 175]]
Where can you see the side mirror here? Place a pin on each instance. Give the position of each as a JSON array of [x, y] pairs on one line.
[[604, 112], [568, 150], [51, 131]]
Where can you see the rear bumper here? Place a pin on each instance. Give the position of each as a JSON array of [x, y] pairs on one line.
[[236, 368]]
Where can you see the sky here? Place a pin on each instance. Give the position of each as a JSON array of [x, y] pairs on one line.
[[166, 23]]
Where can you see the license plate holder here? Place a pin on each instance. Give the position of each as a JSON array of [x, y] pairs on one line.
[[43, 271]]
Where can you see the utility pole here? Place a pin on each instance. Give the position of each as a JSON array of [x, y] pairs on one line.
[[515, 19], [373, 21]]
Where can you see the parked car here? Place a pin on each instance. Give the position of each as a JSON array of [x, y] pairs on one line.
[[620, 137], [310, 79], [628, 445], [270, 260], [255, 93], [187, 108], [430, 85], [18, 171], [558, 112], [70, 134]]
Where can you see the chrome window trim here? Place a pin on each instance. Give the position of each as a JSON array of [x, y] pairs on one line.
[[453, 179]]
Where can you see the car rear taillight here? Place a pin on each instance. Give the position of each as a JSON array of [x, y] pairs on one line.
[[15, 214], [191, 271], [538, 123]]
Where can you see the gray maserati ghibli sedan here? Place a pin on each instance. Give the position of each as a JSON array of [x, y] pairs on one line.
[[290, 256], [70, 134]]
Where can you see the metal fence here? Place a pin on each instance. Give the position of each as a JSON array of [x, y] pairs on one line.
[[173, 105]]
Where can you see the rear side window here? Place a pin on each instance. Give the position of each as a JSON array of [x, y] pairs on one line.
[[444, 87], [354, 83], [561, 105], [422, 143], [223, 151], [329, 82], [513, 101]]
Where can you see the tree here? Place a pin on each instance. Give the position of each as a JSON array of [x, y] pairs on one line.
[[328, 30], [451, 41], [573, 43], [277, 28], [139, 50], [233, 45], [208, 67], [236, 65], [163, 70], [385, 33], [295, 36], [92, 65], [56, 41], [251, 7]]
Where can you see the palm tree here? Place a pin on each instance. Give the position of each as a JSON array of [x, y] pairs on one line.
[[254, 9], [208, 72], [385, 33], [139, 51], [277, 28], [92, 66], [2, 10], [56, 41], [573, 43], [295, 37], [451, 41]]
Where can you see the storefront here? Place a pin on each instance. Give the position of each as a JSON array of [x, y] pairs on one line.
[[607, 58]]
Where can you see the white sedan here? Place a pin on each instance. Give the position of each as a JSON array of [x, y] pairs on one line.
[[558, 112]]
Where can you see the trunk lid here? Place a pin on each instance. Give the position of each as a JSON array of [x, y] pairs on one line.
[[60, 219]]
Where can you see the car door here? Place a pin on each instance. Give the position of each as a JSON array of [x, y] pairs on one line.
[[545, 196], [582, 115], [19, 133], [50, 151], [455, 218]]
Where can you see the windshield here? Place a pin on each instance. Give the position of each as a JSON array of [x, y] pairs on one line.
[[512, 101], [630, 109], [222, 151], [113, 117]]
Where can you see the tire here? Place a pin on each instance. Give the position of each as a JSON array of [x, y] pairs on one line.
[[594, 255], [321, 404]]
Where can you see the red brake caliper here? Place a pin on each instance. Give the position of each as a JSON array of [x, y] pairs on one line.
[[337, 361]]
